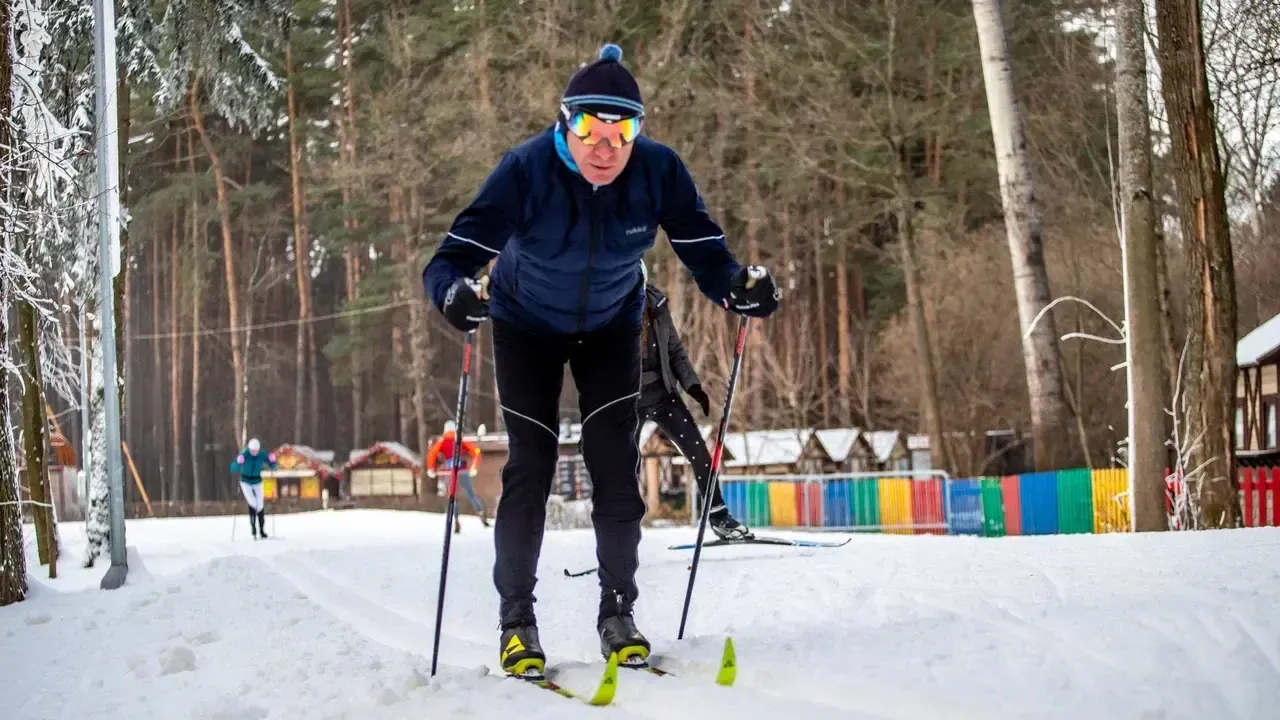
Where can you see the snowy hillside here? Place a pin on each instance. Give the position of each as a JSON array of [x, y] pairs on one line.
[[332, 618]]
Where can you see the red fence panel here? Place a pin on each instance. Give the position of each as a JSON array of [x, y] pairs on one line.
[[926, 506], [1012, 505]]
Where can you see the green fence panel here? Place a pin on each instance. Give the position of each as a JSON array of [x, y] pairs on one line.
[[866, 502], [1075, 501], [758, 504], [992, 508]]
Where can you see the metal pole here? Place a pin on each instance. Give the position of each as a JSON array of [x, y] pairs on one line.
[[104, 57]]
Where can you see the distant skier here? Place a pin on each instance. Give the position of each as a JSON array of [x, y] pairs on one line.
[[250, 463], [665, 371], [470, 460], [568, 214]]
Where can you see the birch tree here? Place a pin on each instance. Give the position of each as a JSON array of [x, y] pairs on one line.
[[1049, 422]]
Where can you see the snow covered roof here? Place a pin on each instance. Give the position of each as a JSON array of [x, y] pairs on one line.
[[765, 447], [837, 443], [646, 431], [410, 457], [1260, 345], [883, 442], [320, 461]]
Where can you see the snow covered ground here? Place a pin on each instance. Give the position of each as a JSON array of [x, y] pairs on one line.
[[332, 618]]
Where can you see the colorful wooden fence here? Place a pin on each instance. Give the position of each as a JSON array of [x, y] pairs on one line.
[[1049, 503]]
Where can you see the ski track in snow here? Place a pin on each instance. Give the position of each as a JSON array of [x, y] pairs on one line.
[[332, 618]]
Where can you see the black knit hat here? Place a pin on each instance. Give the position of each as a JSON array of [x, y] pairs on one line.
[[605, 86]]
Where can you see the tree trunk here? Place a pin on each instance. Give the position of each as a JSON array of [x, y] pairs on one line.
[[926, 372], [1211, 317], [121, 282], [33, 430], [346, 158], [228, 264], [175, 342], [13, 558], [820, 289], [1049, 424], [97, 523], [198, 246], [844, 343], [302, 259], [158, 443], [1143, 352]]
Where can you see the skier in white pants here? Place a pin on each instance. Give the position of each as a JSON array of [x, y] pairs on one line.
[[250, 463]]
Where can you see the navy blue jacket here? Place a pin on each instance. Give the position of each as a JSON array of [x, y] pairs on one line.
[[568, 255]]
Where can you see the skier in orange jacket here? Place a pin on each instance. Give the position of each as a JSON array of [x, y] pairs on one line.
[[442, 450]]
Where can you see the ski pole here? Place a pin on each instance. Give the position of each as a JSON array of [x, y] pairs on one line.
[[453, 484], [716, 456]]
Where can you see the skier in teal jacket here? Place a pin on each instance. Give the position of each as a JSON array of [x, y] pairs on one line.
[[250, 463]]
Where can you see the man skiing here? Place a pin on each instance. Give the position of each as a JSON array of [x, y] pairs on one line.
[[665, 370], [250, 463], [470, 463], [568, 214]]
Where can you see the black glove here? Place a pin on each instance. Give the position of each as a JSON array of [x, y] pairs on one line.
[[752, 292], [464, 305], [697, 393]]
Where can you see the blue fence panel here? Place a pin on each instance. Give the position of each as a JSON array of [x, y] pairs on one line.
[[836, 507], [966, 507], [1038, 496], [735, 498]]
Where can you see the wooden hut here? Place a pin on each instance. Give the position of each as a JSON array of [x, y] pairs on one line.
[[890, 449], [1257, 395], [302, 472], [845, 450], [769, 452]]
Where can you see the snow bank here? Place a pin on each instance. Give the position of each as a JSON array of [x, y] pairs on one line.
[[333, 617]]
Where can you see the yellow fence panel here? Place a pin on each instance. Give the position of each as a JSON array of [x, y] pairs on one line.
[[782, 504], [895, 505], [1111, 500]]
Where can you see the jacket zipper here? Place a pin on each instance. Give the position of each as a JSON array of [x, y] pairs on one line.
[[584, 290]]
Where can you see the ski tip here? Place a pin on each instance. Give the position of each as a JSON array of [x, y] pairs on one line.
[[728, 664], [608, 683]]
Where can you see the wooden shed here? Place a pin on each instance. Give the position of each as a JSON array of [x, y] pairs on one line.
[[385, 469]]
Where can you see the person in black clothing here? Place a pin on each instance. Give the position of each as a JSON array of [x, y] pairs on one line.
[[664, 371], [564, 218]]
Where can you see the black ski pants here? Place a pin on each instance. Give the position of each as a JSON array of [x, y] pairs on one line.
[[605, 365], [678, 425]]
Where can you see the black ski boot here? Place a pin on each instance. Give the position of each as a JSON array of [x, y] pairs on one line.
[[262, 524], [726, 527], [522, 654], [618, 633], [253, 523]]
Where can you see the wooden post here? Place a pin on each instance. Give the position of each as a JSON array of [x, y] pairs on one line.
[[137, 480], [653, 478]]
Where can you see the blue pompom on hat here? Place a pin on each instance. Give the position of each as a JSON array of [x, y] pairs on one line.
[[605, 86]]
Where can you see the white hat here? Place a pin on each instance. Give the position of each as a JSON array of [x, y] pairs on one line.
[[254, 445], [450, 426]]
